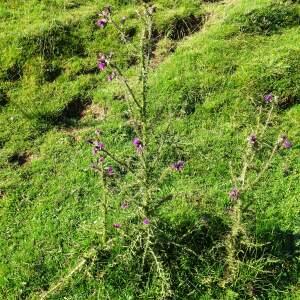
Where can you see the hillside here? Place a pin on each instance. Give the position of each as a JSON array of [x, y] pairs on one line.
[[206, 207]]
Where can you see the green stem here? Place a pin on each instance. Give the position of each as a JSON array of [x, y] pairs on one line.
[[124, 80], [144, 77], [118, 161], [122, 33], [105, 206]]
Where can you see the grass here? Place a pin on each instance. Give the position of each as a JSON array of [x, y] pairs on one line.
[[213, 64]]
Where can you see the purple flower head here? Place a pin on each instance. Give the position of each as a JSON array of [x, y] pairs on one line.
[[102, 62], [146, 221], [110, 171], [178, 166], [234, 194], [125, 205], [102, 65], [101, 159], [98, 146], [285, 142], [268, 98], [112, 76], [252, 139], [102, 23], [138, 144], [117, 225]]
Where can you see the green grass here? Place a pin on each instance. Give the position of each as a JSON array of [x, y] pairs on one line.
[[211, 86]]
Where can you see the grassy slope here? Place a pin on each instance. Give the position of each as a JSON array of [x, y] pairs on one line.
[[210, 85]]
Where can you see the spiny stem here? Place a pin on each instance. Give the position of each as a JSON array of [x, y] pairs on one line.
[[62, 281], [145, 42], [105, 206], [146, 247], [265, 167], [118, 161], [144, 77], [268, 120], [124, 80], [236, 228], [122, 33]]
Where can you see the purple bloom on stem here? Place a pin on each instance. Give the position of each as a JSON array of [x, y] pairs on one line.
[[110, 171], [102, 62], [117, 225], [252, 139], [286, 143], [178, 166], [125, 205], [101, 159], [138, 144], [146, 221], [97, 147], [102, 22], [268, 98], [234, 194], [101, 66], [112, 76]]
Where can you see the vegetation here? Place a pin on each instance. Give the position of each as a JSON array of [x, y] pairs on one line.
[[195, 194]]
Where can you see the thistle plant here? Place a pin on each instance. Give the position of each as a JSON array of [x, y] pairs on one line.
[[244, 183], [137, 102], [136, 245]]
